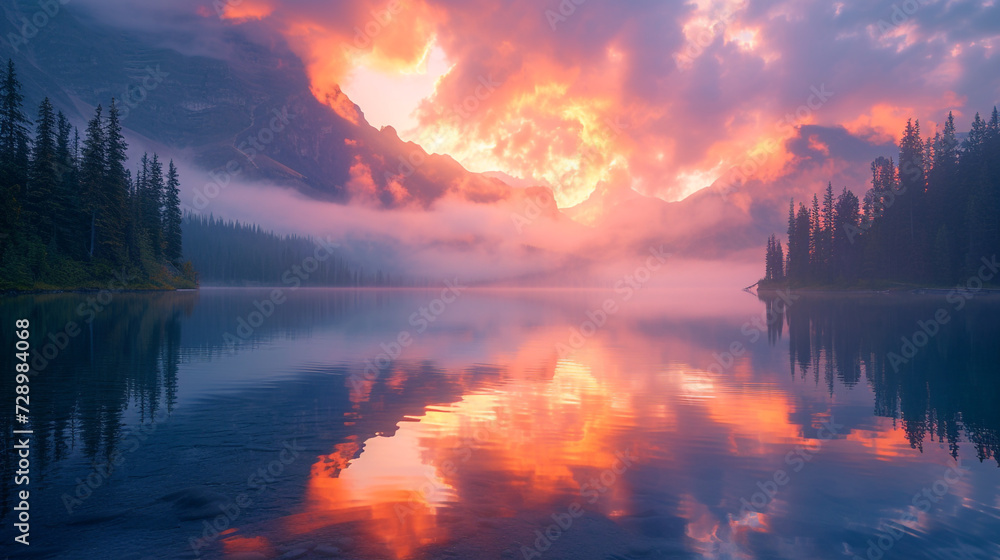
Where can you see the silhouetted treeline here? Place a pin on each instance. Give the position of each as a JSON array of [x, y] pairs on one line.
[[940, 380], [71, 214], [231, 253], [929, 220]]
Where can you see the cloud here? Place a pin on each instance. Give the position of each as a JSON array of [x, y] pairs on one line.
[[532, 94], [675, 94]]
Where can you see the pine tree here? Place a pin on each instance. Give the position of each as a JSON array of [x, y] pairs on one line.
[[14, 136], [172, 216], [946, 148], [779, 262], [798, 247], [112, 222], [976, 138], [92, 173], [69, 233], [152, 215], [815, 241], [43, 181], [139, 246], [774, 260], [946, 198], [982, 214], [769, 259], [73, 214], [13, 152], [932, 220], [879, 202], [135, 237], [827, 238], [905, 217], [791, 236], [846, 234]]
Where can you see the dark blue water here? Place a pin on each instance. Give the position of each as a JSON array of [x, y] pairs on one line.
[[506, 424]]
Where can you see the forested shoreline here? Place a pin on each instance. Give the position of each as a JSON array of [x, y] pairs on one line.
[[231, 253], [930, 221], [73, 216]]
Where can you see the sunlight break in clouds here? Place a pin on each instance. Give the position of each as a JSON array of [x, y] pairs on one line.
[[678, 95], [698, 84]]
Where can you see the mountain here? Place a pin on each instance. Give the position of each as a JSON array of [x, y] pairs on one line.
[[244, 103], [605, 201], [237, 100], [704, 225]]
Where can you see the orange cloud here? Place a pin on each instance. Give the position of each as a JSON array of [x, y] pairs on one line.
[[881, 122], [246, 10], [361, 187], [678, 96]]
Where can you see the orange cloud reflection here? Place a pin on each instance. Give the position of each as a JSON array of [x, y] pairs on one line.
[[540, 430], [548, 436]]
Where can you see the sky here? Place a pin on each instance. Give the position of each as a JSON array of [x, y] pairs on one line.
[[665, 97], [564, 93]]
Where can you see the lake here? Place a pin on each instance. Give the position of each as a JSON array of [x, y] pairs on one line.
[[457, 423]]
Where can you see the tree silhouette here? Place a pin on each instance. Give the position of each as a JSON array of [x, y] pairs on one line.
[[73, 217], [931, 220]]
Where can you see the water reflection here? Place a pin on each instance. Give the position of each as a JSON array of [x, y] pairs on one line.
[[97, 368], [939, 379], [483, 440]]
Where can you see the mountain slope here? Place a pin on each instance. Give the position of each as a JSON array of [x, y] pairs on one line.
[[235, 97], [246, 105]]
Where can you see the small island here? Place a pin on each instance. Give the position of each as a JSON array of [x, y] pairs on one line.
[[931, 222], [72, 216]]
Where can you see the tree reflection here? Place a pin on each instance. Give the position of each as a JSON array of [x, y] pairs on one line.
[[116, 367], [940, 380]]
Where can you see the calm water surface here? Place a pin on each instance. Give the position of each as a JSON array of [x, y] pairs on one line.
[[508, 424]]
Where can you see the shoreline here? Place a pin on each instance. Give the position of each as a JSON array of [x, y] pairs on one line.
[[45, 291], [914, 291]]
